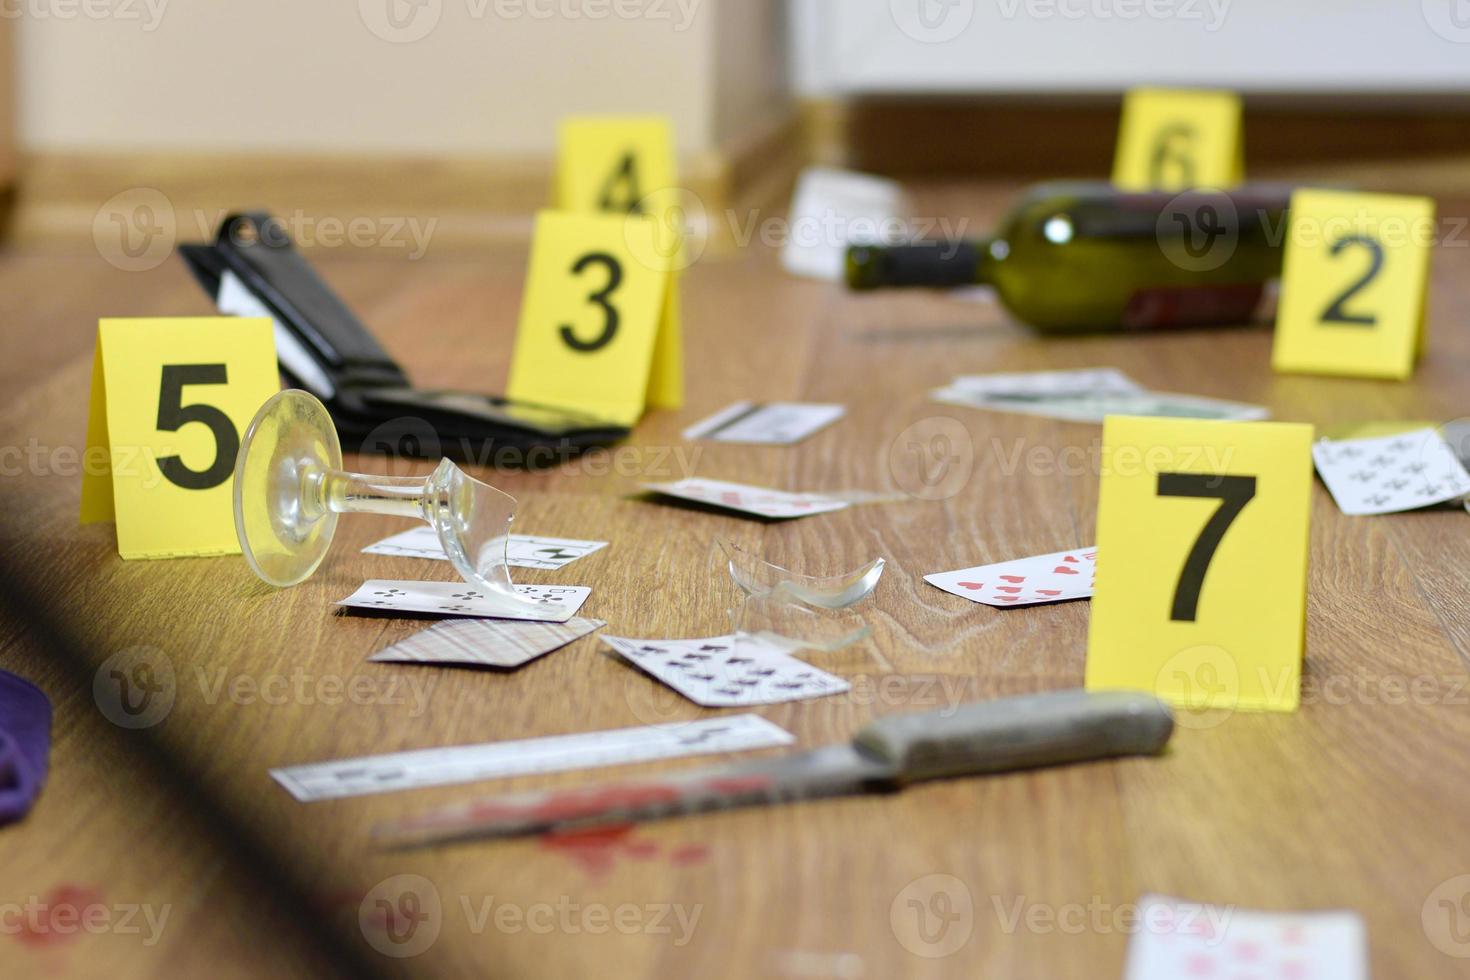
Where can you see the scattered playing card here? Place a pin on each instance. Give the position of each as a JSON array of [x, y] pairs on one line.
[[1391, 474], [1097, 406], [759, 501], [1177, 940], [1026, 581], [833, 209], [546, 603], [718, 673], [772, 424], [522, 551], [486, 642]]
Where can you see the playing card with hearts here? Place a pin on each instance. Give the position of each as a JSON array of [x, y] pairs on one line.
[[1391, 474], [760, 501], [521, 551], [544, 603], [486, 642], [719, 672], [1025, 581], [1178, 940]]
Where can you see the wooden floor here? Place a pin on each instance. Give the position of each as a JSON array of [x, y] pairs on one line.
[[1359, 801]]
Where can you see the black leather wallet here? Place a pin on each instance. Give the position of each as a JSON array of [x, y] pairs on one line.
[[252, 269]]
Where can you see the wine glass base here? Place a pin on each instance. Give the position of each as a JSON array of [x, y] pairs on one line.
[[281, 519]]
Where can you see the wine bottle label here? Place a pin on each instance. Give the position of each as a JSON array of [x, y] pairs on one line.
[[1192, 306]]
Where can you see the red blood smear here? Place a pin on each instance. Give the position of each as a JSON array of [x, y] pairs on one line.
[[690, 854], [595, 849], [36, 927]]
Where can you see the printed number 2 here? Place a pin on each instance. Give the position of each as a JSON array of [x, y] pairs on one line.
[[1336, 312], [602, 298], [173, 415], [1234, 493]]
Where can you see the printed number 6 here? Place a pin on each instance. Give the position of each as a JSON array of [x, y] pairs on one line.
[[602, 299], [1234, 493], [1167, 150], [173, 414]]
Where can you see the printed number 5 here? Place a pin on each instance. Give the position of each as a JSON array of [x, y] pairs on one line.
[[1234, 493], [602, 299], [173, 414]]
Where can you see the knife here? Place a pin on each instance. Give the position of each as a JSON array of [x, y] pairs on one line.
[[988, 737]]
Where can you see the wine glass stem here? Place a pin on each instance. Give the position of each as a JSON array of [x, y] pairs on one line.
[[357, 493]]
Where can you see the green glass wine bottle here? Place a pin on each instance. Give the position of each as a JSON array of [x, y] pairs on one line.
[[1081, 257]]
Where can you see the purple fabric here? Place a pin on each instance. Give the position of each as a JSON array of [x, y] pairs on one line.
[[25, 745]]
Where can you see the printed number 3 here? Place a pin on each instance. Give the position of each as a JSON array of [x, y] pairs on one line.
[[1234, 493], [173, 414], [602, 298]]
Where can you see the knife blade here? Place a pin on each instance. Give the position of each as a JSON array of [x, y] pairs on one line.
[[988, 737]]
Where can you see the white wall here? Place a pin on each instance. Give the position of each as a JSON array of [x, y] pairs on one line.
[[467, 77], [970, 46]]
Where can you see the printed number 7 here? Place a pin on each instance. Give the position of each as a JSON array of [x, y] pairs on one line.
[[1234, 493]]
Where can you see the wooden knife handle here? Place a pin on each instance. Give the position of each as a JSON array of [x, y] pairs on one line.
[[1019, 733]]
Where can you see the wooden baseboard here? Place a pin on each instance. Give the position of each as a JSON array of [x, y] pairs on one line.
[[60, 196]]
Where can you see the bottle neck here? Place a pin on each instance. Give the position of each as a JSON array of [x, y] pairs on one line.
[[932, 264]]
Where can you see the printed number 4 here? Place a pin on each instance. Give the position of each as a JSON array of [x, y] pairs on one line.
[[1234, 492], [173, 415], [602, 298]]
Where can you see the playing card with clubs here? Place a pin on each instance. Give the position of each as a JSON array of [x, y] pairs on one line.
[[760, 501], [544, 603], [1025, 581], [771, 424], [719, 672], [486, 642], [522, 551], [1391, 474], [1177, 940]]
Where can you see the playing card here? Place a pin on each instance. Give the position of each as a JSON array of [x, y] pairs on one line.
[[1391, 474], [759, 501], [719, 673], [1025, 581], [836, 208], [522, 551], [547, 603], [772, 424], [1177, 940], [486, 642]]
